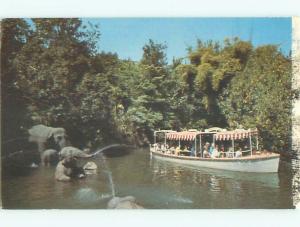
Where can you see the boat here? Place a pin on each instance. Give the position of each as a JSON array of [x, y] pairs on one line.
[[248, 159]]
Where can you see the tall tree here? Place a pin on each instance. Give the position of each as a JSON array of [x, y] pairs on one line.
[[14, 35], [51, 65], [261, 97]]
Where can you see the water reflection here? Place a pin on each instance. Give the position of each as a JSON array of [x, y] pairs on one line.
[[155, 184]]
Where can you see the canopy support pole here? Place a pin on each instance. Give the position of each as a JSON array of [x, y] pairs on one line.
[[155, 141], [233, 146], [201, 153], [165, 141], [250, 141], [195, 149], [257, 143]]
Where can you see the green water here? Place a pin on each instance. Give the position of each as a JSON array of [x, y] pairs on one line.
[[155, 184]]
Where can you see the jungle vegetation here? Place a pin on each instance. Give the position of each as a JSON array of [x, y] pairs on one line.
[[53, 74]]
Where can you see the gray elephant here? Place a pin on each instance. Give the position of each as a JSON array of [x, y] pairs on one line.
[[67, 169], [49, 156], [70, 151], [48, 138]]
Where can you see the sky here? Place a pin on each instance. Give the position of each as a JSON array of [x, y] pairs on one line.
[[127, 36]]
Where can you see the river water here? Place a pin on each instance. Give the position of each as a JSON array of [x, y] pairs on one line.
[[155, 184]]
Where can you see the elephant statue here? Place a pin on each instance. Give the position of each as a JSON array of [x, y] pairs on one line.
[[49, 156], [48, 138], [127, 202], [75, 152], [67, 169]]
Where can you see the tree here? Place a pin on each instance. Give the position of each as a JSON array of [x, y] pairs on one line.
[[15, 33], [50, 66], [261, 97]]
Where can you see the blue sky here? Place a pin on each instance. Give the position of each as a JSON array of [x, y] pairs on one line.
[[127, 36]]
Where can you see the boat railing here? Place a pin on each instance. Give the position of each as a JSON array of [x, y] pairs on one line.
[[232, 154], [227, 154]]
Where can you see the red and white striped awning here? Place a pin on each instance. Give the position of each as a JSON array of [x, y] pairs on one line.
[[235, 135], [185, 135]]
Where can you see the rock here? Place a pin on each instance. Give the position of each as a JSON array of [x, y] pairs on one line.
[[90, 168], [127, 202]]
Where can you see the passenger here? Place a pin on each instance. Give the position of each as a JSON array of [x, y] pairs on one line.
[[155, 146], [163, 148], [229, 154], [211, 149], [222, 154], [215, 153], [172, 150], [193, 151], [177, 150], [205, 152], [158, 147], [239, 153]]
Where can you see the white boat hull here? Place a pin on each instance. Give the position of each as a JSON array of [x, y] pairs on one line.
[[262, 163]]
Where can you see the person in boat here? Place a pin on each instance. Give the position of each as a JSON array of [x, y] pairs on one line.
[[163, 148], [229, 154], [239, 153], [186, 150], [171, 150], [211, 149], [215, 153], [205, 152], [193, 150], [177, 150], [222, 153], [158, 147]]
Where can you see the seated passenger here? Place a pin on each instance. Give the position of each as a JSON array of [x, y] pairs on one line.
[[222, 154], [172, 150], [177, 150], [163, 148], [158, 147], [229, 154], [193, 151], [205, 153], [211, 149], [215, 153], [186, 149], [239, 153]]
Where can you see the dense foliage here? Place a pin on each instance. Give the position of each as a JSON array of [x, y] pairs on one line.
[[52, 73]]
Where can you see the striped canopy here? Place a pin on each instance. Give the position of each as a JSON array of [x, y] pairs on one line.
[[236, 134], [185, 135]]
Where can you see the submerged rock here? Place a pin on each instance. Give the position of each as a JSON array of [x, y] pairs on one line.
[[90, 168], [127, 202]]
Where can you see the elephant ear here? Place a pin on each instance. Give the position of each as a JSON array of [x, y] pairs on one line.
[[40, 133]]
